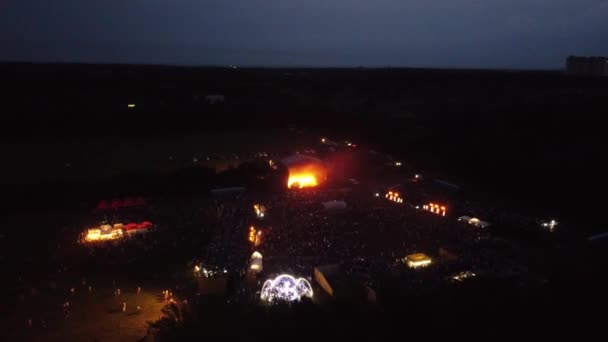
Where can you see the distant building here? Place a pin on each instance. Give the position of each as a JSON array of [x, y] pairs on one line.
[[587, 66]]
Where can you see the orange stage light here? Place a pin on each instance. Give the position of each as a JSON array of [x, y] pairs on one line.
[[302, 180]]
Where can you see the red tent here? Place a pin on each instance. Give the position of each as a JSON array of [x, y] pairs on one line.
[[128, 202], [132, 226], [140, 201], [103, 204], [146, 224], [116, 203]]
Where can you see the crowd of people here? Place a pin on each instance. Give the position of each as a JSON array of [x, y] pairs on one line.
[[368, 238]]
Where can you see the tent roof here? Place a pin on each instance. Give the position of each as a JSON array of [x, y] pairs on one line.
[[300, 159], [103, 204], [418, 257]]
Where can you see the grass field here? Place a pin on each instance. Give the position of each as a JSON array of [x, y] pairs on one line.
[[93, 317]]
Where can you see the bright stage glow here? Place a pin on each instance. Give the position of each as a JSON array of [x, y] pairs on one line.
[[304, 171], [285, 288], [131, 105], [302, 180]]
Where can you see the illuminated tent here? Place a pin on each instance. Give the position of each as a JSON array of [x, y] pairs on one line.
[[256, 262], [131, 226], [474, 221], [417, 260], [103, 233], [285, 288]]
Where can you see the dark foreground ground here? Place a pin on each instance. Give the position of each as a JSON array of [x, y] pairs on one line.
[[527, 141]]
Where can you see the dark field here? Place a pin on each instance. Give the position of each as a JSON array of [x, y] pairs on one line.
[[532, 140], [522, 146]]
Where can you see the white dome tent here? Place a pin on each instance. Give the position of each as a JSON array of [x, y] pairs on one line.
[[285, 288]]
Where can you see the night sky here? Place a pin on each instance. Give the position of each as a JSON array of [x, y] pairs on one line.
[[416, 33]]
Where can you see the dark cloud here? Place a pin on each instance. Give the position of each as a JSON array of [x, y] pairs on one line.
[[456, 33]]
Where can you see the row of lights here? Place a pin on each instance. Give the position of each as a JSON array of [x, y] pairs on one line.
[[347, 142], [202, 271], [435, 208], [394, 196]]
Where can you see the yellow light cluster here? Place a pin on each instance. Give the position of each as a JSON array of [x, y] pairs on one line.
[[96, 234], [394, 196], [252, 233], [260, 210], [255, 236], [416, 264]]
